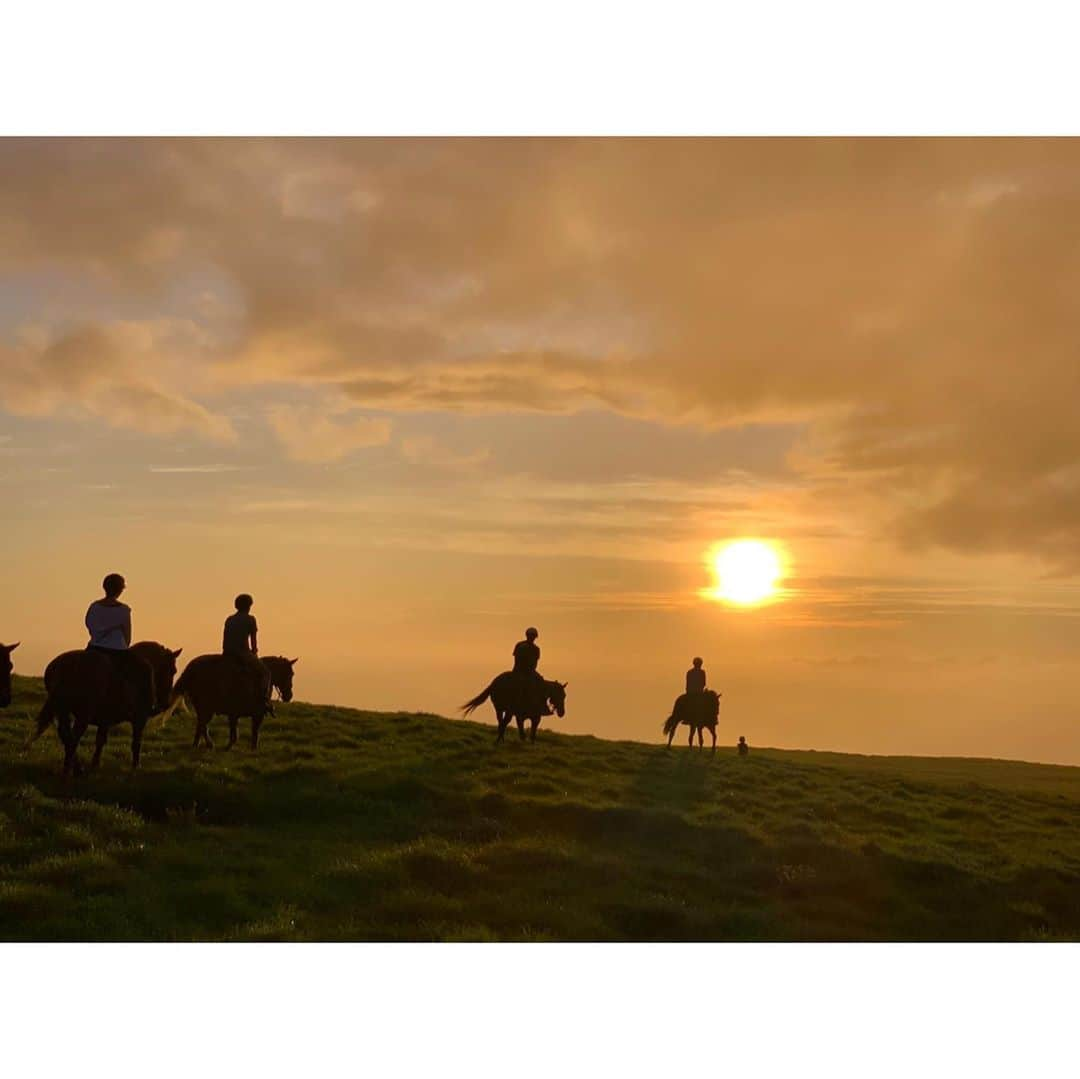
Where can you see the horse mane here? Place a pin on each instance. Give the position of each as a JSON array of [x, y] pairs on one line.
[[151, 646]]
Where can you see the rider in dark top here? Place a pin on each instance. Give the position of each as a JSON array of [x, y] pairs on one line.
[[526, 659], [527, 653], [240, 640], [695, 677]]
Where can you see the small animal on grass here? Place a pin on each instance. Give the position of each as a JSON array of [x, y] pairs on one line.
[[5, 673], [217, 685], [743, 748], [87, 688], [699, 711], [521, 697]]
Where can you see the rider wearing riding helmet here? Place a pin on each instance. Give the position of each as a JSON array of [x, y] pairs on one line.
[[527, 653], [240, 640], [695, 677], [526, 660]]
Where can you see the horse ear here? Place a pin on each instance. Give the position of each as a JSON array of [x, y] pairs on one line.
[[564, 684], [292, 662], [11, 647], [177, 653]]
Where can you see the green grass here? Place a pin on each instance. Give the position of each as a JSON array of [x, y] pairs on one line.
[[370, 826]]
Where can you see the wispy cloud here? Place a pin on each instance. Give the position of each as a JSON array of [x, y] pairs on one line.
[[311, 434], [208, 469]]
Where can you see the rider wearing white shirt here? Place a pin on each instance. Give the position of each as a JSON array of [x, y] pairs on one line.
[[109, 623]]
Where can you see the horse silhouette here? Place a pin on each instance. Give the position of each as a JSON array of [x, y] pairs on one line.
[[5, 673], [216, 685], [698, 711], [83, 689], [520, 698]]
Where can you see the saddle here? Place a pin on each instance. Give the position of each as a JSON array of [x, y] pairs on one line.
[[694, 707], [533, 693]]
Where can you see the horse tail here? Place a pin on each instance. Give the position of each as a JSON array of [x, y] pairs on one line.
[[477, 700], [670, 723], [44, 721], [176, 700]]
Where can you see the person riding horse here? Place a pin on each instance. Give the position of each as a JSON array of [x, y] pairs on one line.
[[695, 677], [698, 707], [526, 661], [240, 639], [108, 621]]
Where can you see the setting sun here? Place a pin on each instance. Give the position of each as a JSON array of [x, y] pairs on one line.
[[746, 571]]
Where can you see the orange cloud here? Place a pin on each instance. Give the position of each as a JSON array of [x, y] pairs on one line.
[[310, 434], [910, 301], [103, 372]]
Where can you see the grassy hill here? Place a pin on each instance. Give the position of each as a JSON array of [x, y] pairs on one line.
[[359, 825]]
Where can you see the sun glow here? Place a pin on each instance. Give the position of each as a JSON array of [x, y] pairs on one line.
[[747, 572]]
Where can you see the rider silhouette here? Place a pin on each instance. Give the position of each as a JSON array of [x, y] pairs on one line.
[[526, 660], [240, 640], [527, 653], [695, 677], [108, 621]]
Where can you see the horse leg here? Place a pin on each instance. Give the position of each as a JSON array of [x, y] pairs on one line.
[[504, 722], [690, 743], [72, 764], [63, 732], [137, 728], [521, 726], [99, 745], [202, 729], [256, 724], [701, 737], [535, 724], [234, 723], [712, 731]]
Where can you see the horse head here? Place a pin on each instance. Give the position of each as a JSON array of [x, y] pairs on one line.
[[556, 696], [162, 662], [5, 673], [281, 675]]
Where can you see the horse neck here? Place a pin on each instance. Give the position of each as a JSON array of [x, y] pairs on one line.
[[151, 651], [274, 665]]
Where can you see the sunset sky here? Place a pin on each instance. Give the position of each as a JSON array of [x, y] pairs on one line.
[[417, 395]]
